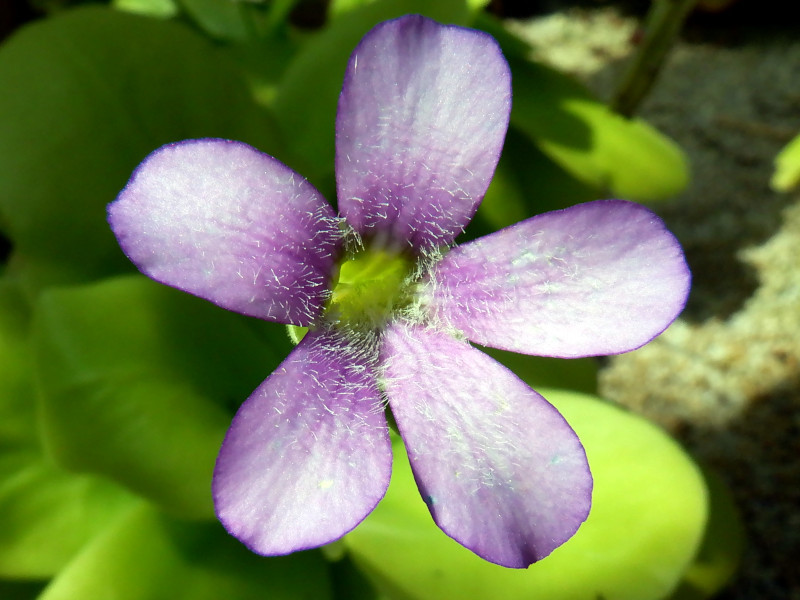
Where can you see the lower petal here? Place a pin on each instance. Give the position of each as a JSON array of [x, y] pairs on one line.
[[308, 455], [500, 469]]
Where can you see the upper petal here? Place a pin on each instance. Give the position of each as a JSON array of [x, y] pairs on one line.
[[308, 455], [597, 278], [500, 469], [422, 117], [223, 221]]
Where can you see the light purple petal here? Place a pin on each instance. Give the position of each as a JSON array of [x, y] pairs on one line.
[[308, 455], [500, 469], [598, 278], [223, 221], [422, 117]]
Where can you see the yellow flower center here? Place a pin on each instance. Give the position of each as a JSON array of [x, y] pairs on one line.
[[371, 286]]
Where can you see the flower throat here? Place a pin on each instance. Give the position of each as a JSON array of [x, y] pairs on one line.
[[371, 286]]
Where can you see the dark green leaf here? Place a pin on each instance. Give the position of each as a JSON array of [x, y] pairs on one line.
[[139, 382], [576, 374], [222, 19], [527, 182], [722, 548], [46, 514], [94, 91]]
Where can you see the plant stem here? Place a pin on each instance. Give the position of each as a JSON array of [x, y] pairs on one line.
[[662, 25]]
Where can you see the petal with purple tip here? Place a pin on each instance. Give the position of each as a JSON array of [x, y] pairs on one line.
[[308, 455], [500, 469], [223, 221], [598, 278], [421, 121]]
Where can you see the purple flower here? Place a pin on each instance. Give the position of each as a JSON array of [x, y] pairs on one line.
[[421, 123]]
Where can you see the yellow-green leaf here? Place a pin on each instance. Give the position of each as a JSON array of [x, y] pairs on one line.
[[787, 167], [627, 157]]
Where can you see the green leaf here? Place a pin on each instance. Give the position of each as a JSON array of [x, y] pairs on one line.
[[139, 382], [787, 167], [307, 97], [46, 514], [95, 91], [527, 182], [149, 556], [626, 157], [648, 514]]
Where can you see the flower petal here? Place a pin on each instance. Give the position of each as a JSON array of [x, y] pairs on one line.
[[500, 469], [422, 117], [597, 278], [308, 455], [225, 222]]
